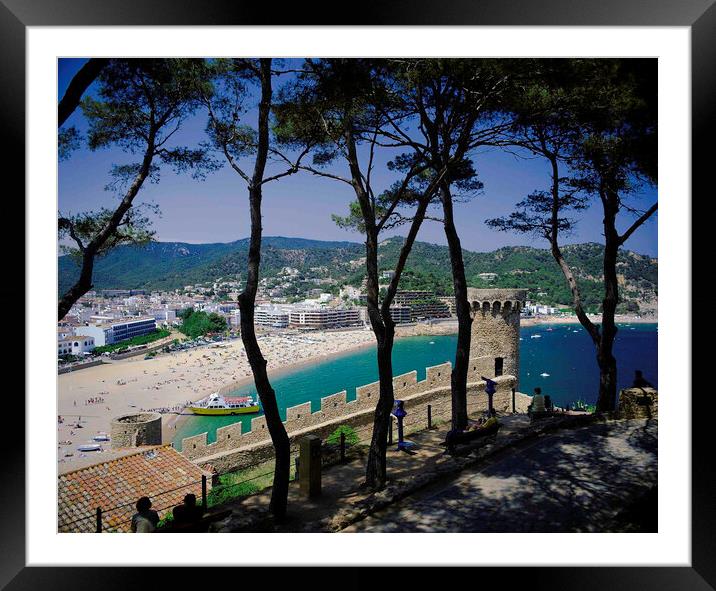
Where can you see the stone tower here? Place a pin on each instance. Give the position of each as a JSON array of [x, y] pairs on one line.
[[495, 345], [136, 430]]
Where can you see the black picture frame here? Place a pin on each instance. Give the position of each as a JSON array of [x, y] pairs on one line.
[[700, 15]]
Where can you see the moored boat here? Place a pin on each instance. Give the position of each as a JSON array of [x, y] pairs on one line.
[[90, 447], [218, 404]]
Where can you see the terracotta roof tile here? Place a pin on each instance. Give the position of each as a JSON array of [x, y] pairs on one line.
[[160, 473]]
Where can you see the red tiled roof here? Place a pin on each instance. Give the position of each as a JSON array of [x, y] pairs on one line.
[[160, 473]]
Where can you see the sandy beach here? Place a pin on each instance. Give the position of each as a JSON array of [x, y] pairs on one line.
[[596, 318], [91, 397]]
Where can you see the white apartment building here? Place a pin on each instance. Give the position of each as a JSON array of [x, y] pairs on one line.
[[114, 332], [101, 318], [318, 318], [540, 309], [164, 316], [81, 313], [271, 316], [75, 345], [64, 332]]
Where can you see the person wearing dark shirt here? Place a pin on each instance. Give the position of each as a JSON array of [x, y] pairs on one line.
[[188, 512]]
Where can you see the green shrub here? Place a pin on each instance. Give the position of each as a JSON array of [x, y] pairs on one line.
[[350, 433], [223, 493], [166, 520], [583, 406], [197, 324]]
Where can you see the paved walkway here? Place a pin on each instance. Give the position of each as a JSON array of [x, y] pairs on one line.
[[341, 490], [569, 481], [520, 475]]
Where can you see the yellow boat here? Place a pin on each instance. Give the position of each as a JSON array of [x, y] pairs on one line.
[[219, 405]]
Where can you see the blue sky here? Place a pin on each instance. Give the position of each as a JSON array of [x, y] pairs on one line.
[[216, 210]]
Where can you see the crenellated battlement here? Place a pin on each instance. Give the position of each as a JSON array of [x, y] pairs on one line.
[[496, 301], [333, 407]]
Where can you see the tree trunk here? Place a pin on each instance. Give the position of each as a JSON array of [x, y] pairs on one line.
[[277, 431], [384, 329], [247, 304], [376, 473], [458, 377], [607, 364], [80, 288], [607, 379]]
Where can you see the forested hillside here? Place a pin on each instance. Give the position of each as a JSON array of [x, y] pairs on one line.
[[172, 265]]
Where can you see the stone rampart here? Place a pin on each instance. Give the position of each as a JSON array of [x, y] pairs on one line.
[[638, 403], [235, 450]]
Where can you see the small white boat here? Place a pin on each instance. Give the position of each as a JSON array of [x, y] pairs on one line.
[[432, 342], [544, 375], [89, 447], [536, 336]]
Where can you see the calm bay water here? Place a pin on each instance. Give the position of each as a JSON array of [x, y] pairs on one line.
[[565, 352]]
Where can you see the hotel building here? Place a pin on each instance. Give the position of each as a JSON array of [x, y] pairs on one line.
[[400, 314], [319, 318], [272, 316], [114, 332]]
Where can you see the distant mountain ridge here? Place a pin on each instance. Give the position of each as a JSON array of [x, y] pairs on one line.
[[172, 265]]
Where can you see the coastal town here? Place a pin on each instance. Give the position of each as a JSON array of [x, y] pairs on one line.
[[163, 377], [169, 373], [217, 372]]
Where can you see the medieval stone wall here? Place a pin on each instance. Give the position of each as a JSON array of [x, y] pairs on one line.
[[495, 334], [235, 450]]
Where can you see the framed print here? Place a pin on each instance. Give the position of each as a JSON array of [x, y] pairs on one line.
[[363, 294]]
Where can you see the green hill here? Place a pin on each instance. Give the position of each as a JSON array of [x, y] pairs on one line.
[[172, 265], [534, 269]]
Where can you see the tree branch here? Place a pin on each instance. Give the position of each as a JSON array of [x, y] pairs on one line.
[[77, 87], [66, 224], [647, 214]]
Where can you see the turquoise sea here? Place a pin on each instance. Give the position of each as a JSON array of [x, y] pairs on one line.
[[565, 352]]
